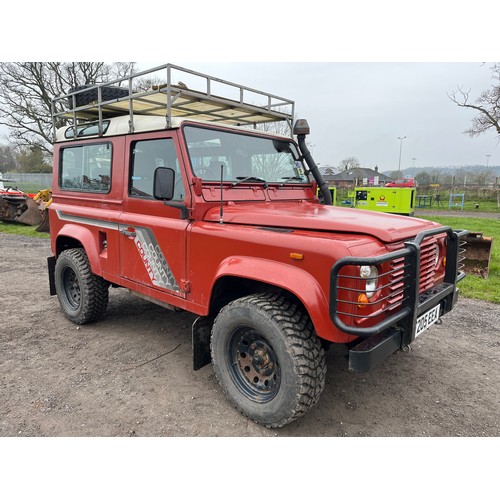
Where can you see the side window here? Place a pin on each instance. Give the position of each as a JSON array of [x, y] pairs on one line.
[[86, 168], [147, 156]]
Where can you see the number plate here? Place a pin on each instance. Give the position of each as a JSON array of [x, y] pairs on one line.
[[426, 320]]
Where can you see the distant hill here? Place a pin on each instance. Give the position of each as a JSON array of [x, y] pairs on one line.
[[450, 170]]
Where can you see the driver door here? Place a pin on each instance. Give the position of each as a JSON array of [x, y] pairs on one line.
[[153, 235]]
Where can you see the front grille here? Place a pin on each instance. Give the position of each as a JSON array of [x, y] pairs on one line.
[[428, 254], [397, 292], [391, 284], [396, 283]]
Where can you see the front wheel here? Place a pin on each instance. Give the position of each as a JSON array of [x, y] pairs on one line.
[[83, 296], [268, 359]]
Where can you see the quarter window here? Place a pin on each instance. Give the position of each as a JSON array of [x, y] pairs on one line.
[[86, 129], [86, 168]]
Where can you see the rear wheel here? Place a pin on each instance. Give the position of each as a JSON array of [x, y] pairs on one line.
[[83, 296], [268, 359]]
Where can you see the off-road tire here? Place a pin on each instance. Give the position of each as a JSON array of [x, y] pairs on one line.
[[268, 358], [83, 296]]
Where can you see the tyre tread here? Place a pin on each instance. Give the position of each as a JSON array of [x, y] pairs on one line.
[[95, 290], [301, 339]]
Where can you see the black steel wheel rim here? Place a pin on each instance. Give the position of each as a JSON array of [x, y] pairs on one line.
[[253, 365], [72, 290]]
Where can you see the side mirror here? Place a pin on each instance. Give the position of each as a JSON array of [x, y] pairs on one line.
[[164, 180]]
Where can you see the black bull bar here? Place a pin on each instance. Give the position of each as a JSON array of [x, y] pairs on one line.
[[398, 330]]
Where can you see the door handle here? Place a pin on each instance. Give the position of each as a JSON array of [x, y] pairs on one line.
[[127, 232]]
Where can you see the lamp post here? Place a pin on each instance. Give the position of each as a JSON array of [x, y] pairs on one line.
[[400, 149]]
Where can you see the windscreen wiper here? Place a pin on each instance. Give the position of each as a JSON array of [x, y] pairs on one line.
[[250, 178], [294, 178]]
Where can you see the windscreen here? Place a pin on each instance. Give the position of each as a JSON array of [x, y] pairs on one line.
[[243, 157]]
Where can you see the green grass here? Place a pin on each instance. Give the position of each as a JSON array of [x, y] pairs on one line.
[[469, 206], [14, 228], [472, 286], [27, 187]]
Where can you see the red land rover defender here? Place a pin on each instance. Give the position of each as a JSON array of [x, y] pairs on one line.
[[176, 195]]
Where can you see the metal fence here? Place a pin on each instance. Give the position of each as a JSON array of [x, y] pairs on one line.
[[29, 183]]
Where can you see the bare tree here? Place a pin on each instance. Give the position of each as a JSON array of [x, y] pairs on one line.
[[488, 105], [27, 88], [395, 174], [7, 159], [423, 178], [483, 177], [349, 163], [462, 176]]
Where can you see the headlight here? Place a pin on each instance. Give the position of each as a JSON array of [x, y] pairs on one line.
[[436, 258], [370, 275]]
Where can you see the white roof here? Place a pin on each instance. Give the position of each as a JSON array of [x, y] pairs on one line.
[[117, 126], [120, 126]]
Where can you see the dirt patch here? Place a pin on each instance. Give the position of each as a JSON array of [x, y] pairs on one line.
[[131, 374]]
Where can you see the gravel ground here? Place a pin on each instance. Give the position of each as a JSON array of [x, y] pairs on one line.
[[131, 374]]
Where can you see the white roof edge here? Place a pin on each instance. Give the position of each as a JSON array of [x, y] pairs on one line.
[[120, 126]]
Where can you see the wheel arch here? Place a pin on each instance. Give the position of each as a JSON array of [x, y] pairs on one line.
[[74, 236], [240, 276]]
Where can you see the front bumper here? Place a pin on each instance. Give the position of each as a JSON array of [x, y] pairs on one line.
[[398, 329]]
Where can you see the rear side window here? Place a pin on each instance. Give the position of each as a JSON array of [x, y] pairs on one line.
[[86, 168]]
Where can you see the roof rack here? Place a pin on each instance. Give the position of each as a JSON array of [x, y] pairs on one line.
[[139, 94]]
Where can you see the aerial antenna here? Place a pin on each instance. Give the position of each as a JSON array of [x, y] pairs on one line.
[[221, 221]]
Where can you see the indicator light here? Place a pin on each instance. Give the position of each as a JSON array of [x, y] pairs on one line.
[[362, 300]]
